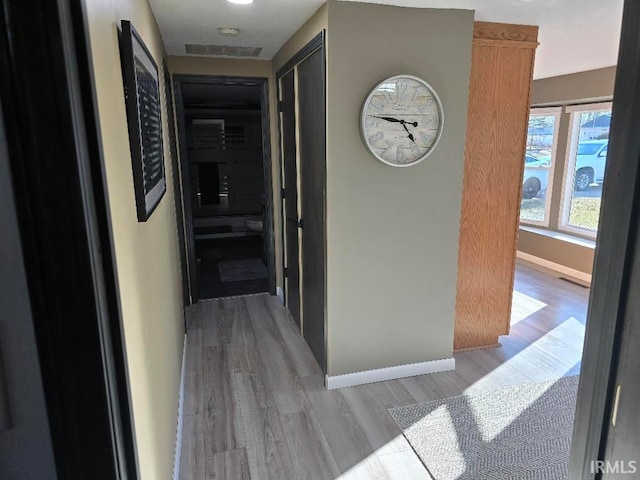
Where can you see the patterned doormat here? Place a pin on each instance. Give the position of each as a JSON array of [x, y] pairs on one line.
[[241, 270], [517, 433]]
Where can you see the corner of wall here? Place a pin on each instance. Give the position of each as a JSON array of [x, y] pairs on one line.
[[393, 303], [318, 22]]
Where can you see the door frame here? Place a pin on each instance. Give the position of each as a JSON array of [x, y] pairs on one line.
[[619, 218], [177, 184], [287, 269], [267, 163], [59, 185], [316, 43]]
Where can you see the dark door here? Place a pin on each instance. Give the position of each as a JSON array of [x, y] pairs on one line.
[[190, 242], [606, 437], [622, 459], [287, 85], [26, 450], [311, 128], [177, 189]]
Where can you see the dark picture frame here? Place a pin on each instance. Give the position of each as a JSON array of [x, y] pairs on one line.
[[144, 118]]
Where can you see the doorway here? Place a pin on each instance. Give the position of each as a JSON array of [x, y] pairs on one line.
[[223, 126]]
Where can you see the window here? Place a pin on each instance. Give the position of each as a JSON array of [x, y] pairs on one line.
[[584, 169], [537, 180]]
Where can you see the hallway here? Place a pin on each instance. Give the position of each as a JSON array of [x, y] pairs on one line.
[[256, 407]]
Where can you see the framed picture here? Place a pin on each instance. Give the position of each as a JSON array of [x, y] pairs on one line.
[[142, 99]]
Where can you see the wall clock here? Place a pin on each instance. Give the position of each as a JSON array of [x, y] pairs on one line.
[[402, 120]]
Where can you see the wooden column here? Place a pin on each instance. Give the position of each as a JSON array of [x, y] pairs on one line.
[[499, 102]]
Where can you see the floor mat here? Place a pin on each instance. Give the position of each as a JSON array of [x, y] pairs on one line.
[[242, 270], [521, 432]]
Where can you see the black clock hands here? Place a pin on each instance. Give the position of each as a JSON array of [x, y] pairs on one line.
[[388, 119], [409, 133], [404, 124], [395, 120]]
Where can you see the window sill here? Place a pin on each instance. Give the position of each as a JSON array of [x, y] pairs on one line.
[[583, 242]]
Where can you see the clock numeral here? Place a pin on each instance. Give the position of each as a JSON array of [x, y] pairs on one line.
[[426, 138], [377, 104], [371, 122], [399, 154], [373, 139], [388, 97], [387, 153], [416, 93], [401, 89], [415, 149]]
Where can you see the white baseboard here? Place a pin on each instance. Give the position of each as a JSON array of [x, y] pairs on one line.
[[389, 373], [556, 267], [178, 452], [280, 294]]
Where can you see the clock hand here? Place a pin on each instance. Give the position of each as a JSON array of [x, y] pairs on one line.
[[395, 120], [388, 119], [408, 132]]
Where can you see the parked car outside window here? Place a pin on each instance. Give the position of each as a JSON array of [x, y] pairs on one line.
[[591, 158], [536, 175]]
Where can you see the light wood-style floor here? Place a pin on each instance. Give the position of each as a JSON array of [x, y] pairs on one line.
[[256, 407]]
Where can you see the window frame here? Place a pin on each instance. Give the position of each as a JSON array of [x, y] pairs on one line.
[[573, 140], [543, 112]]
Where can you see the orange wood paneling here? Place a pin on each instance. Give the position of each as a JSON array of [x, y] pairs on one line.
[[497, 120], [505, 31]]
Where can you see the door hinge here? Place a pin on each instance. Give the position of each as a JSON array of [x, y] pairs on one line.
[[280, 105], [285, 272], [284, 192]]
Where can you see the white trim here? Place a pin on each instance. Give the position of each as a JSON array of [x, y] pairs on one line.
[[389, 373], [546, 110], [570, 167], [556, 267], [280, 294], [177, 454], [588, 107]]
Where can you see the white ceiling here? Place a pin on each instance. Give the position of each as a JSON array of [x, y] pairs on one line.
[[265, 23], [575, 35]]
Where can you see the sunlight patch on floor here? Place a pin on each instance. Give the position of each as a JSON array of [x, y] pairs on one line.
[[396, 460], [555, 365], [523, 306]]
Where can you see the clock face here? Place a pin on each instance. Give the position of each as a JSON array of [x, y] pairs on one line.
[[402, 120]]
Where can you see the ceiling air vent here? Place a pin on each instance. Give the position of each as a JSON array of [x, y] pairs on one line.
[[222, 50]]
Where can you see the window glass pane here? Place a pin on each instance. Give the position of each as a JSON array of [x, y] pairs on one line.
[[537, 168], [590, 158]]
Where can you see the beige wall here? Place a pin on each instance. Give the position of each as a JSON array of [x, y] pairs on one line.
[[393, 232], [146, 253], [304, 35], [569, 254], [592, 85], [583, 87], [192, 65]]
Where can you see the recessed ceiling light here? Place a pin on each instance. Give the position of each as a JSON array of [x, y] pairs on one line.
[[240, 2], [229, 31]]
